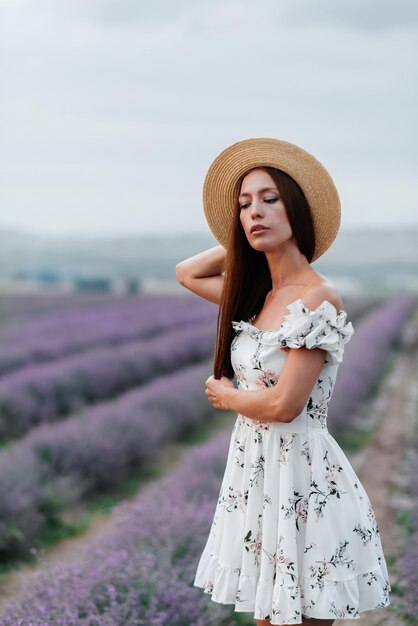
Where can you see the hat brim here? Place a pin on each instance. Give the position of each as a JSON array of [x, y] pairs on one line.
[[220, 186]]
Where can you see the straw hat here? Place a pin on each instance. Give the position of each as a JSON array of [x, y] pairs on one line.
[[221, 185]]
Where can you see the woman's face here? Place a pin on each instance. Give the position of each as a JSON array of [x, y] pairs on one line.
[[260, 204]]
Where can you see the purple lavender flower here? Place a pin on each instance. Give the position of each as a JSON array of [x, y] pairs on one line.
[[142, 571], [47, 392], [55, 335], [365, 357]]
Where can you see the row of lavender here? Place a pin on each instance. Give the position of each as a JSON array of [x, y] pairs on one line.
[[69, 379], [45, 392], [49, 337], [142, 572], [20, 306], [58, 464], [48, 392], [30, 319], [364, 359], [54, 335]]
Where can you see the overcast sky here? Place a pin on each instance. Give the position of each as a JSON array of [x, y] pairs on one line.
[[112, 111]]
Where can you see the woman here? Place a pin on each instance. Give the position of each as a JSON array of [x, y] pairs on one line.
[[294, 538]]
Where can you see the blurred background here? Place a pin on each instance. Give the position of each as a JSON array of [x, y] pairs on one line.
[[111, 113]]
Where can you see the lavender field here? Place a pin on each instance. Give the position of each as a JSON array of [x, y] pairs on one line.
[[89, 397], [94, 452], [409, 563], [24, 305], [364, 359], [45, 338], [142, 574], [46, 392]]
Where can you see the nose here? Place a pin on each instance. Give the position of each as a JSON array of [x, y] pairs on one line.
[[256, 207]]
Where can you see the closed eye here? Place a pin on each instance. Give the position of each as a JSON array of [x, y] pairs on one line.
[[269, 200]]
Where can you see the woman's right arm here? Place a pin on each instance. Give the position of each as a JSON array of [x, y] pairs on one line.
[[202, 273]]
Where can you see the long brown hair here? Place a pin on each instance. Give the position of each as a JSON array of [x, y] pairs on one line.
[[247, 278]]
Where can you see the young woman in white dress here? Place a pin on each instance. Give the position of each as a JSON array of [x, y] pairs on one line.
[[271, 233]]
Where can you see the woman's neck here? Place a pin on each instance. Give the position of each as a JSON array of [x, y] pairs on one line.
[[290, 268]]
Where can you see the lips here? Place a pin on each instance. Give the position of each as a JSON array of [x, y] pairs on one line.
[[258, 227]]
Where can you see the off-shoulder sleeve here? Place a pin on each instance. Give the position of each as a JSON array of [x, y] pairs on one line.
[[322, 327]]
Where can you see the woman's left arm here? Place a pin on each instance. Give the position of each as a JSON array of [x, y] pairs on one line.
[[282, 402]]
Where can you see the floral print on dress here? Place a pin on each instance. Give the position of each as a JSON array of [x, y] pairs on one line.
[[240, 376], [267, 378], [239, 452], [259, 427], [286, 444], [317, 406], [285, 566], [322, 491], [344, 612], [368, 532], [306, 452], [257, 471], [233, 499], [294, 533], [298, 508], [339, 558], [253, 543]]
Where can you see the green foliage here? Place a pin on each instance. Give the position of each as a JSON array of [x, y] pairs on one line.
[[355, 439], [405, 519]]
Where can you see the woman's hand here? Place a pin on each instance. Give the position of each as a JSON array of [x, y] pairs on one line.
[[217, 391]]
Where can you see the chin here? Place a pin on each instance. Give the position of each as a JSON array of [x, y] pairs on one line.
[[260, 247]]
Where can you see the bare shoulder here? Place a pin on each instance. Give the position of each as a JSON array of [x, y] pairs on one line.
[[322, 290]]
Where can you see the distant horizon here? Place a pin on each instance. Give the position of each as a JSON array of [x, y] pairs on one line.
[[362, 260], [18, 230]]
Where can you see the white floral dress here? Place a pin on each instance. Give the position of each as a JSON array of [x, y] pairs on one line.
[[294, 533]]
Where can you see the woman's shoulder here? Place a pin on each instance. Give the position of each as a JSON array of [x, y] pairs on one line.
[[322, 289], [318, 320]]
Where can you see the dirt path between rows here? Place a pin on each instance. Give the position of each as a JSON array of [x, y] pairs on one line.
[[378, 467]]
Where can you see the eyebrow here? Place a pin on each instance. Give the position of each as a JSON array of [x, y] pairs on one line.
[[261, 191]]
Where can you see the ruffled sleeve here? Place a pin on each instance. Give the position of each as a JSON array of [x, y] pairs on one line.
[[322, 327]]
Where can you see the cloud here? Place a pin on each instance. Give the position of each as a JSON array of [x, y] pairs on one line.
[[370, 16], [99, 112], [373, 15]]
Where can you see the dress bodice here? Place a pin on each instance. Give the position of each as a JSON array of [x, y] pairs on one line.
[[257, 357]]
